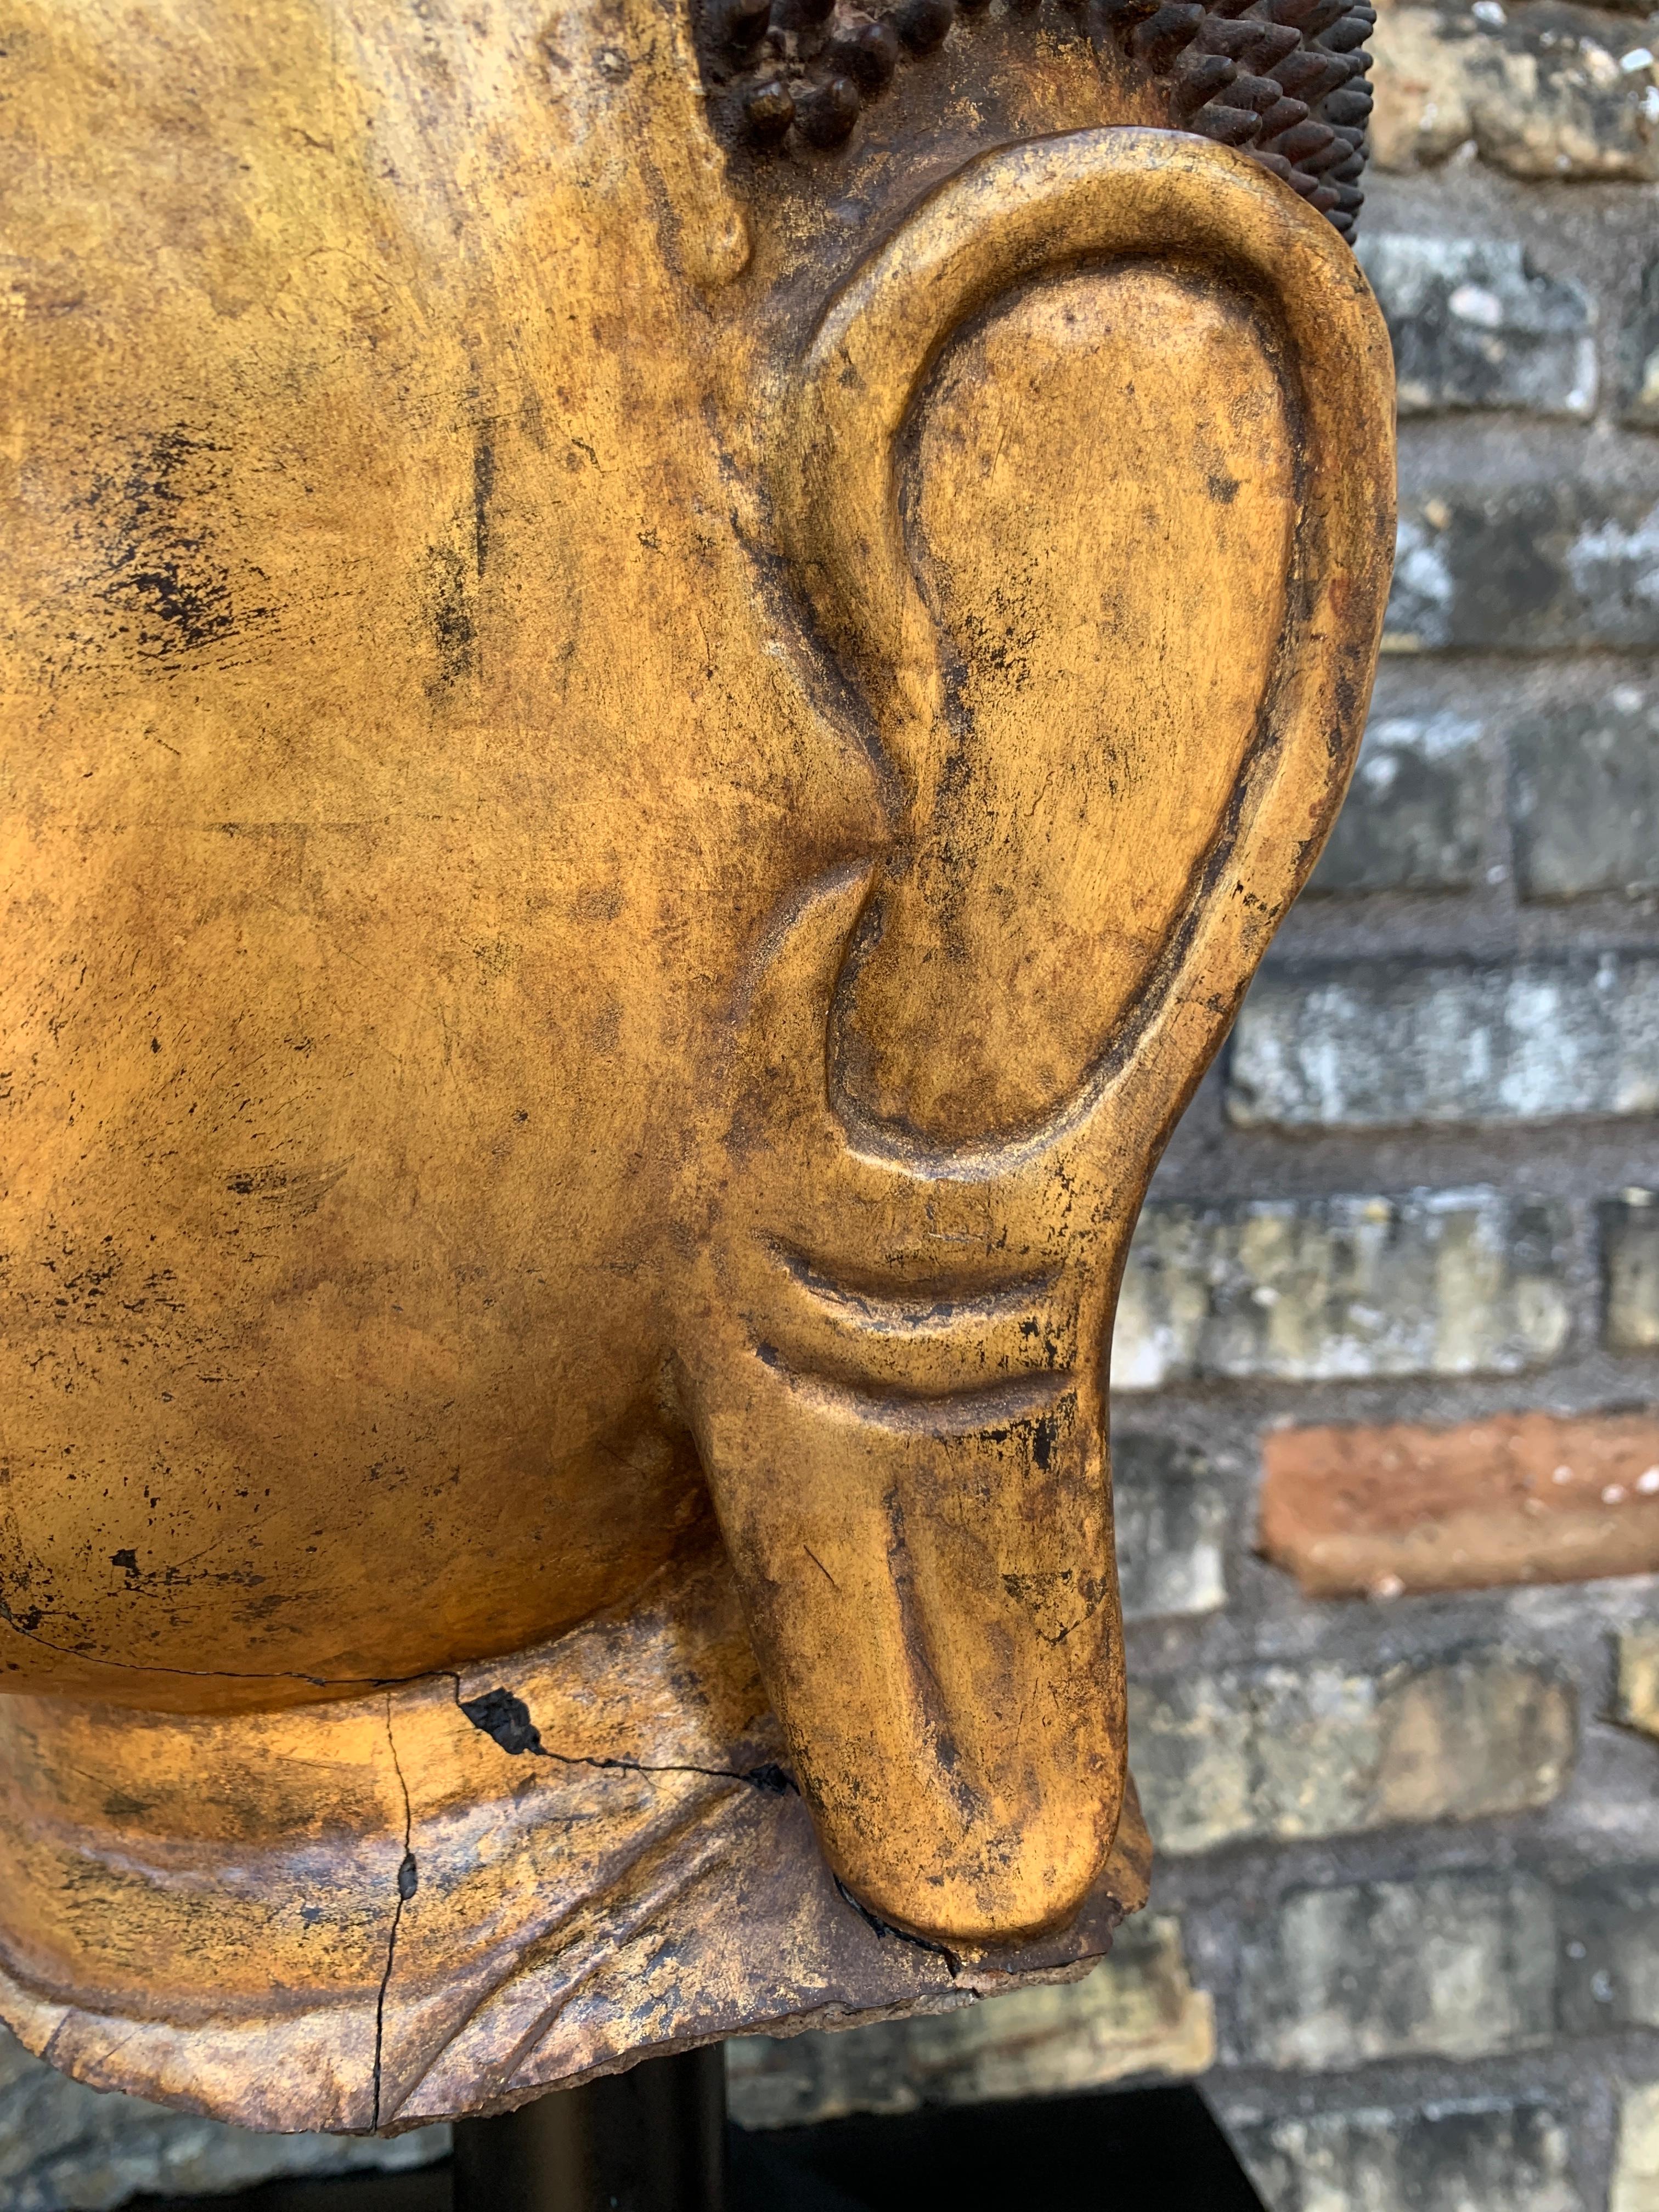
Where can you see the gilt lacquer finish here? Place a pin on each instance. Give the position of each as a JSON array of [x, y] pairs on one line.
[[644, 759]]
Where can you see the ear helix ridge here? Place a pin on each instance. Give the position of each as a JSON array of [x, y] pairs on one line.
[[1019, 214]]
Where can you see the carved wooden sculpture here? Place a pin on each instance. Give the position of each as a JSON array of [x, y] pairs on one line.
[[648, 744]]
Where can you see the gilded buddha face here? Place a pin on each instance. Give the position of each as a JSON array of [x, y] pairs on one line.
[[645, 758]]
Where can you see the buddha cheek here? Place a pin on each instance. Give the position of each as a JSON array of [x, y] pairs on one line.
[[330, 1234]]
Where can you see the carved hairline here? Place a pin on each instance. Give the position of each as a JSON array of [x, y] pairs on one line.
[[1283, 80]]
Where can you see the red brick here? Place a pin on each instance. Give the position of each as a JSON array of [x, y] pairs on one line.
[[1521, 1498]]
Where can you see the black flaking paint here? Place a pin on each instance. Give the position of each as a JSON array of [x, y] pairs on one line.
[[507, 1720], [873, 1920], [484, 486]]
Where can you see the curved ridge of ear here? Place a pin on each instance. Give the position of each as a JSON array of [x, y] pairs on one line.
[[1027, 212]]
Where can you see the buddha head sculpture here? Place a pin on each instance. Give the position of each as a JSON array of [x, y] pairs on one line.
[[664, 674]]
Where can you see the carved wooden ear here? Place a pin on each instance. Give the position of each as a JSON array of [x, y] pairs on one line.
[[1083, 475], [1087, 478]]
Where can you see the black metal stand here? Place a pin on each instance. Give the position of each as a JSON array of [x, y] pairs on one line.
[[651, 2140]]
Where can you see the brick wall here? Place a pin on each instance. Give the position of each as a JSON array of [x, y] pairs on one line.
[[1394, 1311], [66, 2149]]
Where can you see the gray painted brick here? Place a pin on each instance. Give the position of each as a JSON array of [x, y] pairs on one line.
[[1531, 569], [1452, 1966], [1584, 796], [1302, 1751], [1486, 2154], [1474, 324], [1413, 818], [1170, 1513], [1433, 1282], [1640, 352], [1609, 1922], [64, 2147], [1629, 1250], [1374, 1044]]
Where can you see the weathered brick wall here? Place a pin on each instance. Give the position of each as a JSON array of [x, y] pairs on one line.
[[65, 2149], [1394, 1301], [1407, 1914]]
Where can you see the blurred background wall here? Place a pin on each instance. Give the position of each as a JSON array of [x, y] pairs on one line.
[[1387, 1404], [1392, 1313]]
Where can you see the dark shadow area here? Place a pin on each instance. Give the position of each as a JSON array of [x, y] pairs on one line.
[[1147, 2150], [426, 2190]]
